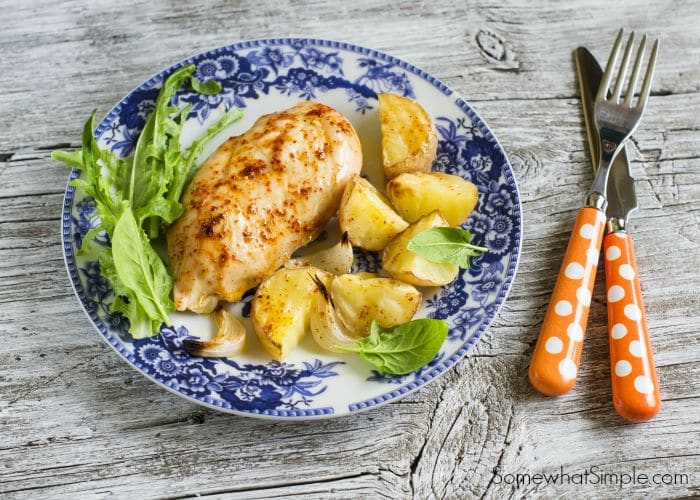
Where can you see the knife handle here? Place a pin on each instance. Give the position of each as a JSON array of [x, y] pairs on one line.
[[635, 387], [558, 351]]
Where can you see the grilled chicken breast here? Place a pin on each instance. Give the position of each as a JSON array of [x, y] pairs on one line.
[[259, 197]]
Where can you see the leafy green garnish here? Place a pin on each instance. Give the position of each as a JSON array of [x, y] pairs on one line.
[[448, 245], [107, 189], [140, 269], [138, 197], [403, 348], [210, 87]]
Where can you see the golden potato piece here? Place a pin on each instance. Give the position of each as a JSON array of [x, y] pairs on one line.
[[345, 312], [366, 215], [407, 266], [416, 194], [281, 309], [409, 137], [361, 298]]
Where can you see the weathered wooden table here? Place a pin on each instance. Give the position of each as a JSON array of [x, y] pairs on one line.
[[76, 421]]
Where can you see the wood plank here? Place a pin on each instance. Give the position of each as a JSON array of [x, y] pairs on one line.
[[75, 421]]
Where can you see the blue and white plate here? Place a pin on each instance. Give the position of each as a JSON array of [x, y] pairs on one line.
[[264, 76]]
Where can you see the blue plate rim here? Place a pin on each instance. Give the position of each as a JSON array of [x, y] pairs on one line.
[[316, 413]]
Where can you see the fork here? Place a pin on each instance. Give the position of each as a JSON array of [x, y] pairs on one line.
[[557, 354]]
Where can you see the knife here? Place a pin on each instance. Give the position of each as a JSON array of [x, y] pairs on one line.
[[635, 385]]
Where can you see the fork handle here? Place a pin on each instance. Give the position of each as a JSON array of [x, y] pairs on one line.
[[558, 351], [635, 386]]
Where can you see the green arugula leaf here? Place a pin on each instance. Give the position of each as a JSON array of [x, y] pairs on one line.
[[140, 164], [137, 193], [210, 87], [73, 159], [401, 349], [103, 179], [149, 177], [449, 245], [140, 269]]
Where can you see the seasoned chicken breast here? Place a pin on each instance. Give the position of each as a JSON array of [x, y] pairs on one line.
[[259, 197]]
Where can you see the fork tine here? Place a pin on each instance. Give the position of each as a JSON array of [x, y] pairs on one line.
[[635, 71], [623, 69], [605, 81], [646, 87]]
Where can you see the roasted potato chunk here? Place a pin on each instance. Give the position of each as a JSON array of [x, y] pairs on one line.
[[359, 299], [407, 266], [367, 217], [409, 137], [281, 309], [344, 312], [415, 195]]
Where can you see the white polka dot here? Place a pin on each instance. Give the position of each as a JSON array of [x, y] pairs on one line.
[[593, 254], [587, 231], [563, 308], [615, 293], [636, 349], [584, 296], [633, 312], [643, 384], [553, 345], [623, 368], [626, 272], [612, 253], [618, 331], [575, 332], [574, 271], [567, 368]]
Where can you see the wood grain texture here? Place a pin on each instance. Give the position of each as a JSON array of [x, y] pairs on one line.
[[75, 421]]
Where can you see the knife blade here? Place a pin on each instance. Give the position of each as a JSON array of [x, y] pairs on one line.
[[622, 198]]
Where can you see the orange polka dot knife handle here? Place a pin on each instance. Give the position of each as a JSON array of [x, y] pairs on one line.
[[635, 387], [558, 351]]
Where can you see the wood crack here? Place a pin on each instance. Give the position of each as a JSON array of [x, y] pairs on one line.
[[499, 461], [32, 195], [583, 410], [269, 486], [30, 220], [416, 460], [60, 145]]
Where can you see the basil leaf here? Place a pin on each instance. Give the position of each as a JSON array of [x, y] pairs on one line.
[[140, 269], [210, 87], [401, 349], [448, 245]]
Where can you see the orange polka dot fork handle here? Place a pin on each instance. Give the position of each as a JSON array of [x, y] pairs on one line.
[[558, 351], [635, 387]]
